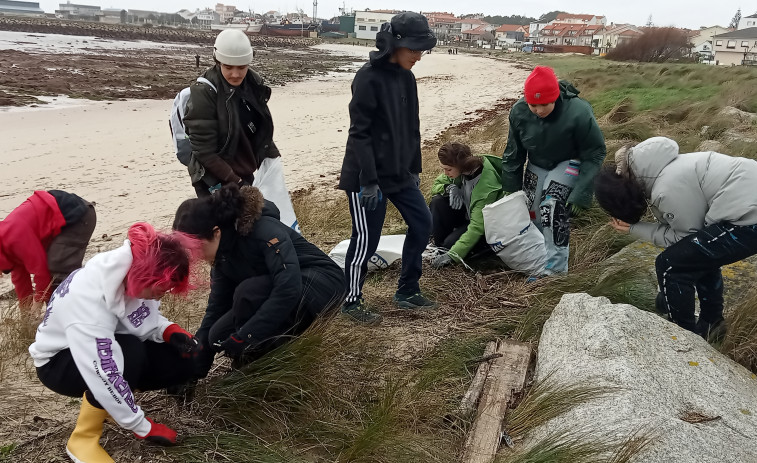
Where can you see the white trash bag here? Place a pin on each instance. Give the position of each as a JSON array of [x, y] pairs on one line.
[[513, 237], [269, 179], [389, 249]]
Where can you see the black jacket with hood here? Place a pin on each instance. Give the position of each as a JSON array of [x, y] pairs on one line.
[[224, 148], [262, 245], [384, 142]]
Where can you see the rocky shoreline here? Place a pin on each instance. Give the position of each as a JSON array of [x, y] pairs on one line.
[[118, 65], [134, 32]]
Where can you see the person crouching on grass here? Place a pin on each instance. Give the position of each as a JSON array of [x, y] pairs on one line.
[[556, 132], [268, 282], [382, 162], [103, 336], [458, 198], [707, 213]]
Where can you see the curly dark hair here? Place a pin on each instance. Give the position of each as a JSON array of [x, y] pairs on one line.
[[621, 196], [199, 216]]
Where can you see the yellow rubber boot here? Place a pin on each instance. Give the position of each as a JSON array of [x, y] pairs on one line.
[[84, 444]]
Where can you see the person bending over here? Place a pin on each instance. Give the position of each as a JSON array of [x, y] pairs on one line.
[[555, 131], [706, 218], [46, 236]]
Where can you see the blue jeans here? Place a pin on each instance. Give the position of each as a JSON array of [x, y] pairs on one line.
[[366, 231], [694, 263]]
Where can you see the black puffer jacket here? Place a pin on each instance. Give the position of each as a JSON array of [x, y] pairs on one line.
[[262, 245], [224, 149], [384, 143]]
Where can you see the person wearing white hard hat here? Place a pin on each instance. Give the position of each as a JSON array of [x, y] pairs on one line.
[[227, 118]]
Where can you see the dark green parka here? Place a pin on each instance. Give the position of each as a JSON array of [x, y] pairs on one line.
[[569, 132]]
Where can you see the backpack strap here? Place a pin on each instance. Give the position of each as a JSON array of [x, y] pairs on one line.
[[206, 81]]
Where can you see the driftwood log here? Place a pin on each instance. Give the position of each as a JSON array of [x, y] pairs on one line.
[[505, 377]]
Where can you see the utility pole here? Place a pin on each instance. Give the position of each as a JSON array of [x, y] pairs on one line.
[[315, 9]]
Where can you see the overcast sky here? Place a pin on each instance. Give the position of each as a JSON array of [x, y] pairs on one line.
[[691, 14]]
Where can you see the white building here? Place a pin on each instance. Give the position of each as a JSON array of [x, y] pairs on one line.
[[368, 23], [534, 32], [20, 8], [736, 48], [225, 12], [749, 21], [70, 10], [207, 17]]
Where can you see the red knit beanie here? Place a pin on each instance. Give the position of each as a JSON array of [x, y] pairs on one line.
[[541, 86]]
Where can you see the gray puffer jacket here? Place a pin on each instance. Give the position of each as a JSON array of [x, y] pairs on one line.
[[690, 191]]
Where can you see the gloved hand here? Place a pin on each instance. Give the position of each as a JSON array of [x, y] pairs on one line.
[[159, 434], [182, 340], [441, 260], [370, 197], [204, 359], [456, 200], [575, 210], [233, 346]]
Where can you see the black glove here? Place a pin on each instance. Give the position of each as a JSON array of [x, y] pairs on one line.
[[233, 346], [370, 197], [204, 360], [182, 340]]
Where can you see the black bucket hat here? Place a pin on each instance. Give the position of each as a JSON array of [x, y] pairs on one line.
[[410, 30]]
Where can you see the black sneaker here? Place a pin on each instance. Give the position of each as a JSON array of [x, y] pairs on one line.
[[713, 333], [414, 301], [359, 312]]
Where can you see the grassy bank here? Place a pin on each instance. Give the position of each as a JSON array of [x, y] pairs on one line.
[[390, 393]]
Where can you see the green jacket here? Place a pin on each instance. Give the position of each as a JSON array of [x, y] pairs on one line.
[[570, 132], [486, 191]]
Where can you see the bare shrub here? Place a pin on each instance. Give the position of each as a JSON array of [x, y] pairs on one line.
[[656, 45]]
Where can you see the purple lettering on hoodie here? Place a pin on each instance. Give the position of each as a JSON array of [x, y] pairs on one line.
[[138, 316], [109, 366]]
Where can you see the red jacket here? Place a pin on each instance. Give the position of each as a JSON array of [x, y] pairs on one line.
[[24, 238]]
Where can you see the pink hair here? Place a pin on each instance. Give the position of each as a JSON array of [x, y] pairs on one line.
[[161, 260]]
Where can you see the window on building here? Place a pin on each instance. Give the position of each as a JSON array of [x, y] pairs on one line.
[[731, 44], [745, 44], [718, 43], [361, 28], [374, 28], [360, 20]]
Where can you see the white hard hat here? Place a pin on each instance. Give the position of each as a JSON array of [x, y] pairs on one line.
[[233, 48]]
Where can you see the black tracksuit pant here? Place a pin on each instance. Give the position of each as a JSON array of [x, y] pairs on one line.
[[694, 263], [366, 231], [148, 366]]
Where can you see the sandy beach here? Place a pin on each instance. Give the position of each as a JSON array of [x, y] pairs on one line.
[[119, 153]]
